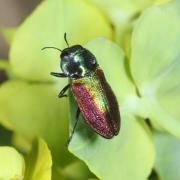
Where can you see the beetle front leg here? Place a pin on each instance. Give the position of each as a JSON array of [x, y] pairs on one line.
[[62, 93], [58, 74]]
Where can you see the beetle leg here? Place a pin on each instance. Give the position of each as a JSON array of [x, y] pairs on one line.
[[61, 94], [75, 125], [78, 113], [58, 74]]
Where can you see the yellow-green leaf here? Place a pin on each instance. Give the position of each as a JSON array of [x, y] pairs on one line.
[[39, 162], [46, 27], [168, 156], [4, 65], [130, 155], [76, 170], [33, 109], [155, 64], [122, 14], [11, 164], [8, 33]]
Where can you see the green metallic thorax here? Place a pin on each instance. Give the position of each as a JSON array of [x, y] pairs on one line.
[[77, 62], [82, 66]]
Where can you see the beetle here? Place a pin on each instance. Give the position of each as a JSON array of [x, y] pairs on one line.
[[94, 96]]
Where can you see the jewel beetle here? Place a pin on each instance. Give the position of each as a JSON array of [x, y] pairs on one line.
[[94, 96]]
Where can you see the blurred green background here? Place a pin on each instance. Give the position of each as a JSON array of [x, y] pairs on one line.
[[136, 44], [12, 13]]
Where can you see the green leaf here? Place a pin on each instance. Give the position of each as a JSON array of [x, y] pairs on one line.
[[21, 142], [122, 14], [157, 2], [7, 136], [76, 171], [8, 33], [128, 156], [121, 11], [46, 27], [11, 164], [56, 174], [32, 109], [4, 65], [168, 156], [39, 162], [155, 64]]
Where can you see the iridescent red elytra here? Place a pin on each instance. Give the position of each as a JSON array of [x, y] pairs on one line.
[[95, 98]]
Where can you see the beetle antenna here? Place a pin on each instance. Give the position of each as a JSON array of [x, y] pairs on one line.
[[65, 38], [52, 48]]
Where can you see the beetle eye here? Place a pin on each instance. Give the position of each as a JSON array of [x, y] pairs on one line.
[[64, 55]]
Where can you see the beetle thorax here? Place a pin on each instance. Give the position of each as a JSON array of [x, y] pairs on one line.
[[77, 62]]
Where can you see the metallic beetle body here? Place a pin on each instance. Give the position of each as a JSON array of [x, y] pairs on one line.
[[95, 98], [97, 103]]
